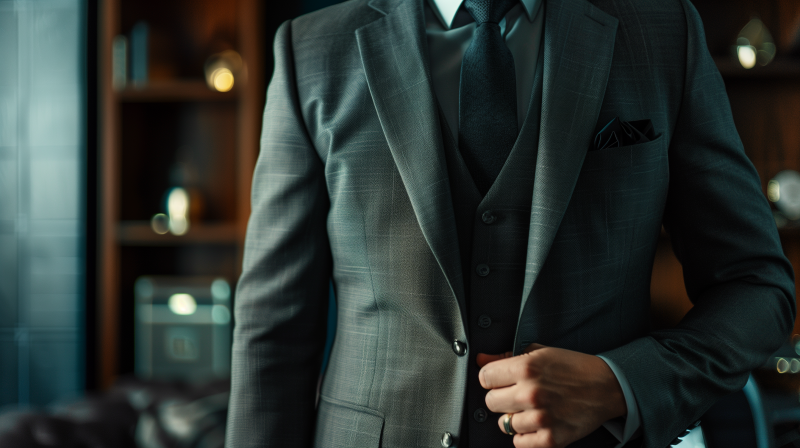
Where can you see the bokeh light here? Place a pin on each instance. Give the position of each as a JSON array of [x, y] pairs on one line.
[[178, 209], [222, 79], [182, 304], [747, 56]]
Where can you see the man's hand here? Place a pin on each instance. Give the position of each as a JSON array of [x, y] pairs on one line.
[[557, 396]]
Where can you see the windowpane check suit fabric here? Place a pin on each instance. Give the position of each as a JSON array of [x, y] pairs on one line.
[[487, 120], [351, 184]]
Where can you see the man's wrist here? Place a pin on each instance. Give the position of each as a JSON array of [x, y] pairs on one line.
[[627, 428], [614, 397]]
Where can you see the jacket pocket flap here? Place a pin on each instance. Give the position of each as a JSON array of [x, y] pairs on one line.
[[346, 425]]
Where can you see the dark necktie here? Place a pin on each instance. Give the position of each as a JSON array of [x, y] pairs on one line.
[[487, 113]]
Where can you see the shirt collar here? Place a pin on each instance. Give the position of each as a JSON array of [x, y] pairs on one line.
[[446, 9]]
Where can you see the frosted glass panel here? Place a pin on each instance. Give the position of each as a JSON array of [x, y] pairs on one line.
[[51, 351], [42, 204]]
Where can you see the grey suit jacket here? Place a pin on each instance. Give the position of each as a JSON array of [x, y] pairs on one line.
[[351, 184]]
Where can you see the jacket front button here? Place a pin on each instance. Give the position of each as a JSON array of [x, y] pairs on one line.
[[447, 440], [488, 217], [482, 269], [459, 348]]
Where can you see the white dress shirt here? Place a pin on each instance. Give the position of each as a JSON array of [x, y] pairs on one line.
[[449, 30]]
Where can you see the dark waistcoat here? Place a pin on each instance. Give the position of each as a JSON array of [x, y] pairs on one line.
[[493, 240]]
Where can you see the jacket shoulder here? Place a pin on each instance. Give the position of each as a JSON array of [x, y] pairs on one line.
[[655, 31], [666, 16], [342, 18]]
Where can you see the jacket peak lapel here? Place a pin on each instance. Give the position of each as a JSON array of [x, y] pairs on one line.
[[394, 55], [578, 49]]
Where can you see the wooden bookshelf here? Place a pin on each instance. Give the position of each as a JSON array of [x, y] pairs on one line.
[[173, 120]]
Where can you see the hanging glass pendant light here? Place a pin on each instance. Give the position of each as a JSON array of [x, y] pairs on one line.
[[755, 45]]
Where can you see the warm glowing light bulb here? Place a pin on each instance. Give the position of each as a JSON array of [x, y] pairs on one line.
[[178, 209], [178, 203], [182, 304], [222, 79], [747, 56]]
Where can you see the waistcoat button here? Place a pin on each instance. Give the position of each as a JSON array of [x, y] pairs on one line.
[[484, 321], [488, 217], [447, 440], [459, 348], [482, 269], [480, 415]]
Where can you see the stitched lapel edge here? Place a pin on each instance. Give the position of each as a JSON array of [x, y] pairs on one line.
[[578, 48], [394, 57]]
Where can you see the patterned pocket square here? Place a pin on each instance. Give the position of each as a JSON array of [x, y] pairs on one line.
[[623, 133]]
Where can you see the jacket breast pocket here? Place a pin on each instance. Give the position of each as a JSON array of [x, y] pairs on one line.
[[618, 202], [346, 425], [631, 180]]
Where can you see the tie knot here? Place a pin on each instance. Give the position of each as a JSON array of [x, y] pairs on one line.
[[491, 11]]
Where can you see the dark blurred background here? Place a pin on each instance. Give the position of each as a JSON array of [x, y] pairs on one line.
[[128, 134]]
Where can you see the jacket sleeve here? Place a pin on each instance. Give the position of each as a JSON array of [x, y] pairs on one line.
[[281, 299], [735, 272]]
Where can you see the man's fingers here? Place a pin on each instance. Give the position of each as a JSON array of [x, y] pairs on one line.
[[539, 439], [484, 358], [516, 398], [504, 399], [525, 422], [507, 372]]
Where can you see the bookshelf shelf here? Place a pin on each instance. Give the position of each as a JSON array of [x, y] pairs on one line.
[[174, 91], [786, 69], [139, 233]]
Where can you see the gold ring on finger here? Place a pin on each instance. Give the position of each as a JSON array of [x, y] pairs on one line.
[[507, 424]]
